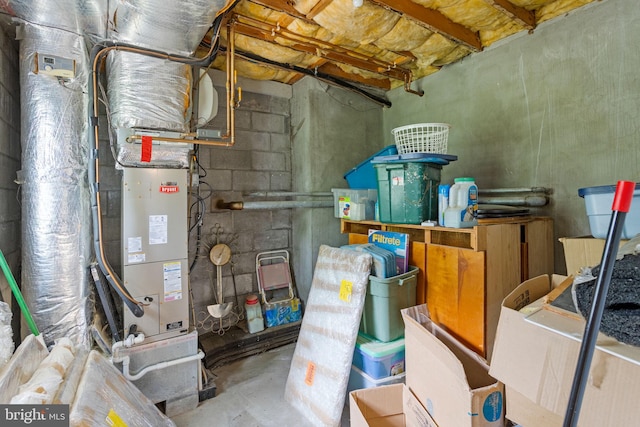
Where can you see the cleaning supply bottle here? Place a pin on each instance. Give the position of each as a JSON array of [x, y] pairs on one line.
[[443, 202], [255, 322], [463, 204]]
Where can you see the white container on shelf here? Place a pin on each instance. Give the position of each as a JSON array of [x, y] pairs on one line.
[[354, 204], [255, 321], [463, 204]]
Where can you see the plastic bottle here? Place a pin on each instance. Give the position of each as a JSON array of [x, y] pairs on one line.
[[443, 201], [255, 322], [463, 204]]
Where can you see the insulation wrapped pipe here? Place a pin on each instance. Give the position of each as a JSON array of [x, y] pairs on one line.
[[56, 227], [275, 204], [290, 194], [542, 190], [531, 200]]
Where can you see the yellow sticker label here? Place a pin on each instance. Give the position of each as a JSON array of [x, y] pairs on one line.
[[346, 288], [310, 374], [114, 419], [294, 304]]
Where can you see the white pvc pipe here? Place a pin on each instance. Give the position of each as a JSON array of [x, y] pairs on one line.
[[138, 339], [157, 366]]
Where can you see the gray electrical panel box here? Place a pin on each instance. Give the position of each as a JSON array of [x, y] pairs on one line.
[[155, 249]]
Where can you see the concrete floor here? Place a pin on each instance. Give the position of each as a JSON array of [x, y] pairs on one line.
[[250, 393]]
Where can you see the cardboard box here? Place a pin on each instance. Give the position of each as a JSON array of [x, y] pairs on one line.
[[582, 252], [523, 411], [450, 380], [387, 406], [536, 352]]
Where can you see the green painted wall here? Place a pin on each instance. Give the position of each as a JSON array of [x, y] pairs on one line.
[[558, 108]]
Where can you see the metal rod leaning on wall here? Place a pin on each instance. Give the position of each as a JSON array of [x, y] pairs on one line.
[[621, 205]]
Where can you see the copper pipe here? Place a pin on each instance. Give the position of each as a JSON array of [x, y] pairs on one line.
[[183, 140], [407, 85]]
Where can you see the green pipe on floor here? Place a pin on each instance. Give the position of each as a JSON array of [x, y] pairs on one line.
[[18, 295]]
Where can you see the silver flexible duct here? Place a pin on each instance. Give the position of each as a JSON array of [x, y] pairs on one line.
[[149, 93], [80, 16], [56, 226], [169, 26]]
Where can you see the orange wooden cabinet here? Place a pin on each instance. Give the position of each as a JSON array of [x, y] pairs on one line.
[[466, 272]]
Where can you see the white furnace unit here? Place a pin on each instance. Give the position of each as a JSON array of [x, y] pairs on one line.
[[155, 250]]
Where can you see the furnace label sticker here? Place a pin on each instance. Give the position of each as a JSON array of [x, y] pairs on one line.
[[136, 258], [172, 281], [158, 226], [134, 244]]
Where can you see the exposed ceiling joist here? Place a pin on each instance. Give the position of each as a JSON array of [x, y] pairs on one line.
[[385, 44], [524, 17], [434, 21], [319, 7], [281, 6], [341, 55]]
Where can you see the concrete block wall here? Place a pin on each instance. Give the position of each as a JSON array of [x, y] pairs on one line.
[[110, 198], [259, 161], [9, 159]]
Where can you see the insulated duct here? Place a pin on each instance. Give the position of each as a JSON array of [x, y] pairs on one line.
[[149, 93], [169, 26], [56, 226], [79, 16]]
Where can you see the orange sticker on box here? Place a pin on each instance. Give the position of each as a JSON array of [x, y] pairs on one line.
[[310, 374], [346, 288]]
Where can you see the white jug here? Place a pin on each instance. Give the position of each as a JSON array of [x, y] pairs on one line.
[[463, 204]]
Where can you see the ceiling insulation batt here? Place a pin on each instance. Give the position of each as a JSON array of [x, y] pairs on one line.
[[56, 215], [377, 43]]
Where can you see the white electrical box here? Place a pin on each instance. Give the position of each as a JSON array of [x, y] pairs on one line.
[[155, 249], [55, 66]]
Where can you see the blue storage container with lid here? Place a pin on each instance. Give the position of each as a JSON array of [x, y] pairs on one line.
[[364, 175], [598, 202], [379, 359]]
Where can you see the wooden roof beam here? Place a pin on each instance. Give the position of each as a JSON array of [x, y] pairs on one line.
[[285, 6], [434, 21], [522, 16], [368, 65]]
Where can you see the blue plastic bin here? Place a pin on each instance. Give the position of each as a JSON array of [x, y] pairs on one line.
[[364, 175], [598, 201]]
